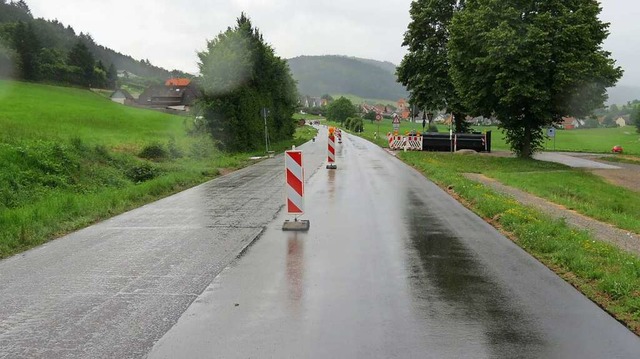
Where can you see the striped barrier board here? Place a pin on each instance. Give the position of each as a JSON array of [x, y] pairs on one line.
[[331, 152], [295, 182], [396, 142], [414, 143]]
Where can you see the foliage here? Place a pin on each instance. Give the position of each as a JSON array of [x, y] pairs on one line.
[[530, 63], [425, 68], [354, 124], [27, 46], [154, 151], [241, 75], [341, 109], [635, 117], [371, 116]]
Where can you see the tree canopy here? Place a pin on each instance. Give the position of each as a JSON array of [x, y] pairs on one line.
[[530, 63], [340, 110], [425, 67], [241, 75]]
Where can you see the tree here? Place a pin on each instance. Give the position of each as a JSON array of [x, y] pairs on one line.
[[371, 116], [425, 68], [241, 76], [112, 77], [80, 57], [341, 109], [530, 63], [20, 4], [635, 117], [27, 46]]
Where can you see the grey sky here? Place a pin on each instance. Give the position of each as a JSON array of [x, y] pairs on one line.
[[170, 32]]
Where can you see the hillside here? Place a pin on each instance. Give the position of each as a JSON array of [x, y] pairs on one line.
[[56, 40], [319, 75]]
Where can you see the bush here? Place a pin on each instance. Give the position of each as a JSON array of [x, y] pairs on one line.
[[154, 151], [347, 123], [142, 172], [432, 128]]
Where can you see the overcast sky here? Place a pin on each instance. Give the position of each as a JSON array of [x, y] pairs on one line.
[[170, 32]]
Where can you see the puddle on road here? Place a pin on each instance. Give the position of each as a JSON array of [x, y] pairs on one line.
[[453, 289]]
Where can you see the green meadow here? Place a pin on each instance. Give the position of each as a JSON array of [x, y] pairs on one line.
[[70, 157]]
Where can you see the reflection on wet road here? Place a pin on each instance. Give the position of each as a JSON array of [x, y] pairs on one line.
[[391, 267]]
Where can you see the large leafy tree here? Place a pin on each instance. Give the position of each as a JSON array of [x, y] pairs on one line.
[[241, 75], [425, 68], [340, 110], [530, 63]]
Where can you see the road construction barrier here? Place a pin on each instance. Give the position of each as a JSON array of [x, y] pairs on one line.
[[339, 135], [414, 143], [395, 142], [410, 143], [331, 155], [294, 173]]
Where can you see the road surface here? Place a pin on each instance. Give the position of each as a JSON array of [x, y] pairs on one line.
[[391, 267]]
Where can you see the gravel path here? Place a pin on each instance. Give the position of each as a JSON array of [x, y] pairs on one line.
[[600, 230]]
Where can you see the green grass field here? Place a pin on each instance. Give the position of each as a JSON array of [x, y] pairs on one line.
[[70, 157], [595, 140]]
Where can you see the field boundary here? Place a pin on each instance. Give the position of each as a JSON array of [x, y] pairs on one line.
[[600, 230]]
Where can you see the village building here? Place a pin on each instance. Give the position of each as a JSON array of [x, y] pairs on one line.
[[177, 93], [122, 97]]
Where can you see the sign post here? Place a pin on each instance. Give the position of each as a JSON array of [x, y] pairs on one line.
[[396, 123], [551, 132]]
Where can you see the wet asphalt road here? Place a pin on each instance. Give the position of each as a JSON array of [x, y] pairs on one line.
[[113, 289], [392, 267]]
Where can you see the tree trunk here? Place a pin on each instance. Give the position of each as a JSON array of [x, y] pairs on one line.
[[526, 142]]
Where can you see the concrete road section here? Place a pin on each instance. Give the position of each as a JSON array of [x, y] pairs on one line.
[[113, 289], [392, 267]]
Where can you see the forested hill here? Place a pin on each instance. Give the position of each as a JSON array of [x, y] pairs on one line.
[[319, 75], [52, 41]]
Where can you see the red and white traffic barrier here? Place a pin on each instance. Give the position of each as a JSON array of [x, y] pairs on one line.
[[295, 182], [339, 135], [294, 175], [412, 142], [331, 155]]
